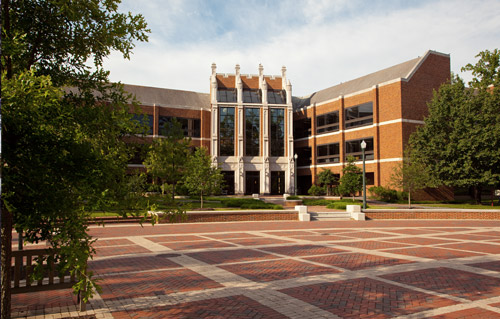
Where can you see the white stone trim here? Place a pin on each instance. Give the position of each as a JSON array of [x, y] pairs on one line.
[[384, 160], [360, 128]]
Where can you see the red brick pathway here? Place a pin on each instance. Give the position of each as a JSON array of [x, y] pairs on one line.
[[347, 269]]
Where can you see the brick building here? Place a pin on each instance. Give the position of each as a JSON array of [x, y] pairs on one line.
[[253, 126]]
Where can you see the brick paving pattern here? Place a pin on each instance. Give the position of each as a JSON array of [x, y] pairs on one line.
[[473, 313], [358, 261], [154, 283], [371, 244], [433, 253], [366, 298], [265, 271], [478, 247], [338, 269], [257, 241], [420, 241], [231, 256], [450, 281], [302, 250], [120, 250], [229, 307], [185, 245], [128, 264], [492, 265]]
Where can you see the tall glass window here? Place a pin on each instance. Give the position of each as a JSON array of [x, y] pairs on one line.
[[226, 95], [252, 131], [277, 132], [252, 96], [226, 131]]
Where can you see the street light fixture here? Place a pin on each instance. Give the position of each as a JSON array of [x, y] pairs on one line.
[[363, 147], [295, 175]]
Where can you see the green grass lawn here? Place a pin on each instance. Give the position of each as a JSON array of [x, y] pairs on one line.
[[461, 206]]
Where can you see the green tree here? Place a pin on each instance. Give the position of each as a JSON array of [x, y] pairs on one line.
[[167, 156], [63, 152], [328, 179], [352, 178], [202, 178], [411, 176], [460, 141]]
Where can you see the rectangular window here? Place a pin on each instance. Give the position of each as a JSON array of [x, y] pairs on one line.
[[226, 131], [327, 122], [302, 128], [146, 120], [252, 96], [252, 132], [303, 156], [277, 132], [276, 97], [328, 153], [226, 95], [190, 127], [353, 148], [359, 115]]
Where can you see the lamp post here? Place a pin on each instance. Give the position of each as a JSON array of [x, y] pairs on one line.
[[363, 147], [295, 174]]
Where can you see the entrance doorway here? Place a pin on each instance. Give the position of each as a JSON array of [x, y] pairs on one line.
[[252, 183], [277, 183], [228, 183]]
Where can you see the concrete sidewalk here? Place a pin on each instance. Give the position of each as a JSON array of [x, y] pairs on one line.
[[372, 269]]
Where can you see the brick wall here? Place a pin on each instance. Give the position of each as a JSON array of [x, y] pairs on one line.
[[195, 217], [432, 214]]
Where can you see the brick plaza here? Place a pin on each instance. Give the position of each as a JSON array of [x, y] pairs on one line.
[[286, 269]]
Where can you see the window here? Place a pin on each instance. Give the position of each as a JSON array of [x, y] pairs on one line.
[[252, 131], [302, 128], [146, 120], [226, 131], [276, 97], [328, 153], [277, 132], [190, 127], [303, 156], [359, 115], [353, 148], [327, 122], [252, 96], [226, 95]]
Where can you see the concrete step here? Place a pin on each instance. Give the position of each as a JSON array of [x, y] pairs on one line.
[[330, 216]]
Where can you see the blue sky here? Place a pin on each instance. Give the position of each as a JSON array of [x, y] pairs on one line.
[[321, 42]]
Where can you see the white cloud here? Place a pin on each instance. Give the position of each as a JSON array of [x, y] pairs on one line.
[[322, 43]]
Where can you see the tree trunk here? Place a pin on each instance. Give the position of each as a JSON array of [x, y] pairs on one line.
[[477, 194], [5, 297], [201, 204], [409, 199]]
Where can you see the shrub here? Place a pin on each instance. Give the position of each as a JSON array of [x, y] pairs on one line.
[[384, 194], [293, 197], [316, 202], [341, 204], [316, 190]]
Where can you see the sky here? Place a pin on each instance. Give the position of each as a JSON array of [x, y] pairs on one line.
[[321, 42]]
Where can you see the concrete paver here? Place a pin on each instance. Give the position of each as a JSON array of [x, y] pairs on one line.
[[342, 269]]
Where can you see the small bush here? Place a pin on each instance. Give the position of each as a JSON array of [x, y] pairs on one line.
[[293, 197], [341, 204], [316, 190], [277, 207], [316, 202], [384, 194]]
